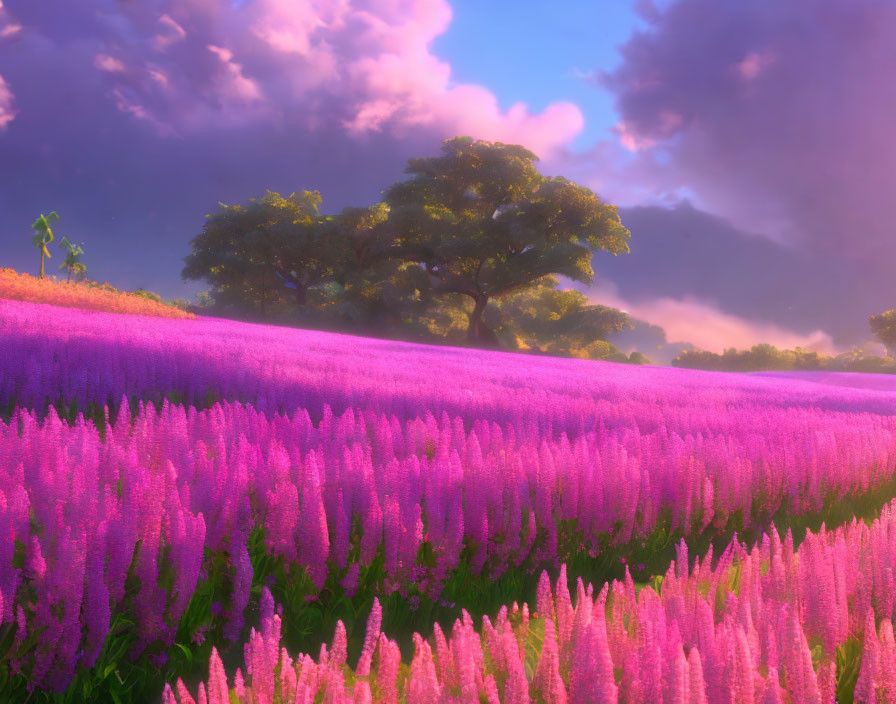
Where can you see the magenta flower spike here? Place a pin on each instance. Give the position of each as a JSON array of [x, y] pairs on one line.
[[869, 672], [217, 681], [371, 639]]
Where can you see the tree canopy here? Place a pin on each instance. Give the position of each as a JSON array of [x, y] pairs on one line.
[[483, 223], [477, 224], [547, 319], [264, 252]]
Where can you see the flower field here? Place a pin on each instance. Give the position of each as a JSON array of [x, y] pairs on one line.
[[164, 482], [765, 624]]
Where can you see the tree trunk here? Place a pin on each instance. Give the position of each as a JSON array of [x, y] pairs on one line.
[[41, 265], [478, 332]]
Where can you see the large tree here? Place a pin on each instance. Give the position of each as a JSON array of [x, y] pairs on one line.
[[883, 326], [483, 223], [271, 250]]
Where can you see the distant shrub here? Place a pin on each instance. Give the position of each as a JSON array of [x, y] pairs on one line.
[[638, 358], [148, 295], [760, 358]]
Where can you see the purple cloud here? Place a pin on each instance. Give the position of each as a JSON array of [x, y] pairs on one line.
[[778, 116], [205, 64]]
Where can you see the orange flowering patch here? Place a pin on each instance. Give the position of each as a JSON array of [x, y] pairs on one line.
[[22, 287]]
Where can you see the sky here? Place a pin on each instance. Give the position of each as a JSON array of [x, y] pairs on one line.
[[749, 146]]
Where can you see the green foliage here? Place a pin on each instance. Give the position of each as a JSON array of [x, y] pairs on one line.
[[148, 295], [857, 360], [766, 358], [448, 318], [43, 235], [265, 255], [72, 263], [849, 661], [883, 327], [556, 321], [638, 358], [483, 223], [372, 290]]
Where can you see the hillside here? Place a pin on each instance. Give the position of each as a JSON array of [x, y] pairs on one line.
[[192, 472]]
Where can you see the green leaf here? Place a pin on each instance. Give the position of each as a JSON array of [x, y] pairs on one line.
[[188, 654]]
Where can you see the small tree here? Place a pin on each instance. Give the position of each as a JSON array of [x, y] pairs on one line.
[[43, 235], [638, 358], [72, 263], [883, 327], [267, 252], [557, 321]]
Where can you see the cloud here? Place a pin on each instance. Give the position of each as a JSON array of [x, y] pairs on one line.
[[185, 67], [104, 62], [706, 326], [777, 116], [240, 87], [681, 252], [754, 160], [7, 109], [8, 27], [169, 32], [8, 30]]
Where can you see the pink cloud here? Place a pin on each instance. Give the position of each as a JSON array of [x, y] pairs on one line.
[[158, 77], [8, 27], [170, 32], [753, 64], [7, 108], [703, 324], [630, 139], [127, 106], [240, 86], [633, 140], [104, 62], [288, 26], [366, 65]]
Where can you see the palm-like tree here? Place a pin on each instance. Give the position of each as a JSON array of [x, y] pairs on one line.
[[72, 263], [43, 235]]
